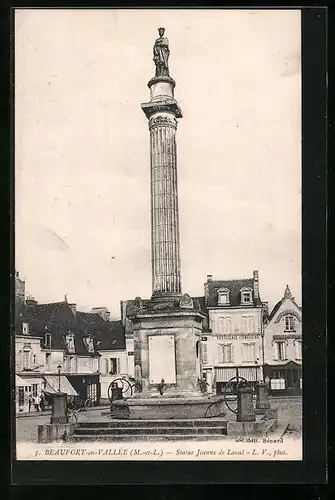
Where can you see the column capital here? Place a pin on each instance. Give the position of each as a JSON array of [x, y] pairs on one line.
[[158, 120]]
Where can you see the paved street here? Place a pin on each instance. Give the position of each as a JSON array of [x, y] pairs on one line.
[[26, 427], [289, 410]]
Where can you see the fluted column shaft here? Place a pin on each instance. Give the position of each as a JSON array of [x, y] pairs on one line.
[[165, 244]]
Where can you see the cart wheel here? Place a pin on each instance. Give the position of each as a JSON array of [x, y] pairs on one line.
[[231, 392]]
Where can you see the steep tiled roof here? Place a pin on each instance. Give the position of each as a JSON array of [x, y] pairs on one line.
[[112, 337], [58, 319], [234, 287]]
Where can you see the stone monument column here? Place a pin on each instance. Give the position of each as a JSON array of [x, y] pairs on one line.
[[167, 328], [162, 112]]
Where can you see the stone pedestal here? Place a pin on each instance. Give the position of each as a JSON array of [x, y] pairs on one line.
[[182, 330], [59, 406], [245, 405], [262, 401]]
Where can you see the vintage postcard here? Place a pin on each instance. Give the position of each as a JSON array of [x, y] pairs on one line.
[[158, 310]]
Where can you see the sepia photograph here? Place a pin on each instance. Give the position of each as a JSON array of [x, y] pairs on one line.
[[158, 295]]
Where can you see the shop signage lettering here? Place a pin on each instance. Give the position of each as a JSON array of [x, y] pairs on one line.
[[238, 337]]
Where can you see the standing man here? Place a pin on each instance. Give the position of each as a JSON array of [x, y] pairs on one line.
[[30, 402], [37, 401]]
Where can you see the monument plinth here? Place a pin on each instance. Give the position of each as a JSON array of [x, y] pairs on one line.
[[167, 328]]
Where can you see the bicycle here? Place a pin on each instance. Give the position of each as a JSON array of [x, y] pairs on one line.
[[216, 409], [88, 404]]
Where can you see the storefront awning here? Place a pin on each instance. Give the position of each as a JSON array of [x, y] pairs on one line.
[[52, 385], [20, 382], [225, 374]]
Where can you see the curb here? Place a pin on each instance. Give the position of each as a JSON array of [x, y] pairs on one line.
[[48, 412]]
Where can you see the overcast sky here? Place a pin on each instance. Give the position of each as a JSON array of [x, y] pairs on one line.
[[82, 150]]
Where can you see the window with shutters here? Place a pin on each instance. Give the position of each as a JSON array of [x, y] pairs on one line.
[[248, 324], [225, 325], [204, 353], [248, 352], [26, 360], [48, 360], [226, 353], [68, 364], [115, 366], [280, 350], [298, 353]]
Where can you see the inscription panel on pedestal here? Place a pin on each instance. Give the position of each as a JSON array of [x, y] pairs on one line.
[[162, 362]]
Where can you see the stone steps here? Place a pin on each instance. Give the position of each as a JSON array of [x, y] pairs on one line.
[[145, 437], [210, 422], [137, 431], [150, 430]]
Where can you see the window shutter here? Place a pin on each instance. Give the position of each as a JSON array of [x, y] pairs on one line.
[[284, 350], [118, 367], [232, 353], [275, 351]]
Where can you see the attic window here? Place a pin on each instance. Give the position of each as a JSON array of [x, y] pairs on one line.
[[69, 342], [47, 339], [89, 344], [223, 297], [25, 328], [246, 296], [289, 323]]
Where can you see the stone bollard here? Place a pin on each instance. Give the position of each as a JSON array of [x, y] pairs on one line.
[[245, 405], [59, 407], [262, 401]]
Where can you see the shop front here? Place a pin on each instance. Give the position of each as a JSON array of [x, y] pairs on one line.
[[223, 374], [284, 379], [87, 386]]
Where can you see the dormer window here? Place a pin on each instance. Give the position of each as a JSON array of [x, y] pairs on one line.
[[47, 340], [69, 342], [223, 297], [89, 344], [25, 329], [246, 296]]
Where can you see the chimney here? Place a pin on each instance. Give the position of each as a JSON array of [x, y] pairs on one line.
[[256, 284], [31, 302], [123, 306], [206, 287], [102, 311], [265, 309], [73, 308]]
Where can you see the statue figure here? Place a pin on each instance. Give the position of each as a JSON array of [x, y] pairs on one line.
[[161, 54]]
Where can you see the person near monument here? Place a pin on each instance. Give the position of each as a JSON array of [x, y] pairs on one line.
[[161, 54], [161, 387]]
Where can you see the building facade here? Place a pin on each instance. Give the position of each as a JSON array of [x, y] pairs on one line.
[[232, 341], [60, 348], [283, 347]]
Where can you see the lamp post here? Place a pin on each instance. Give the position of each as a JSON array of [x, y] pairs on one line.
[[59, 367]]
